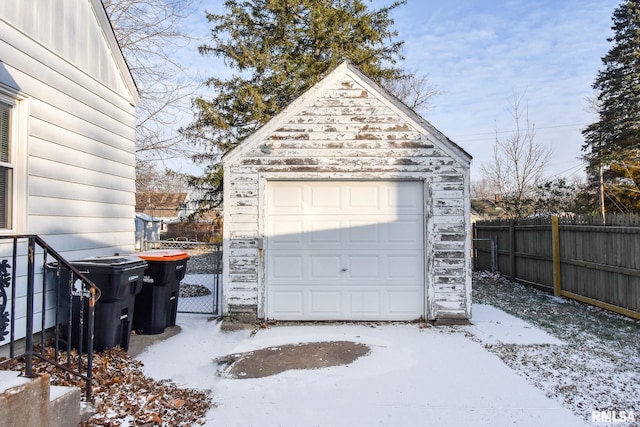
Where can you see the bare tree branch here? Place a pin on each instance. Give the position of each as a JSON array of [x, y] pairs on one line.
[[414, 89], [150, 35], [518, 161], [149, 179]]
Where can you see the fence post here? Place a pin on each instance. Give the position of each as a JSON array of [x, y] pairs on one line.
[[494, 255], [512, 249], [474, 250], [555, 238]]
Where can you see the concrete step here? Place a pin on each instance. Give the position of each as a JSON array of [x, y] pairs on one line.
[[9, 379], [33, 402], [64, 406]]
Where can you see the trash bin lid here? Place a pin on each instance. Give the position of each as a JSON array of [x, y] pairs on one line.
[[114, 261], [163, 255]]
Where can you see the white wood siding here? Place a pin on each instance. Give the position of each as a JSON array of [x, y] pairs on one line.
[[62, 60], [345, 128], [73, 33], [81, 124]]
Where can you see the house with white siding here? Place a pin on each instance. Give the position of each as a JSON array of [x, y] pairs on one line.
[[347, 206], [67, 132], [67, 102]]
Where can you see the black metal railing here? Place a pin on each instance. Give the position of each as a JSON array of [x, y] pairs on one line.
[[60, 321]]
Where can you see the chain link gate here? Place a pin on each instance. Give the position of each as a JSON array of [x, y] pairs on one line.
[[200, 288]]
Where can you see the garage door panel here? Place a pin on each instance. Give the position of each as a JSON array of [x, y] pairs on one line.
[[294, 232], [356, 267], [384, 234], [324, 232], [288, 303], [285, 198], [364, 303], [287, 267], [363, 267], [381, 304], [403, 302], [324, 267], [286, 231], [359, 197], [405, 232], [324, 303], [325, 197], [404, 266], [359, 232], [402, 199], [345, 251]]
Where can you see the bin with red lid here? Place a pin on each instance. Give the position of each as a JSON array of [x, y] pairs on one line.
[[157, 303]]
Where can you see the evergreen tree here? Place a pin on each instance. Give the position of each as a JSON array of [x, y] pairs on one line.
[[277, 50], [560, 197], [622, 186], [613, 141]]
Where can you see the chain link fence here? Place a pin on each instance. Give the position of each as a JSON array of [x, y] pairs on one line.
[[200, 288]]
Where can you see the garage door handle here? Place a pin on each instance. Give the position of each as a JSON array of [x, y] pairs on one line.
[[345, 269]]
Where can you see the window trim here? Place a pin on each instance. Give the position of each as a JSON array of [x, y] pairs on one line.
[[18, 149]]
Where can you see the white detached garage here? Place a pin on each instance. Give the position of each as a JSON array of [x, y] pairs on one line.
[[346, 206]]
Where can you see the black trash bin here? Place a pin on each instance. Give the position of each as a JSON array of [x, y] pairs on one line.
[[120, 280], [157, 304]]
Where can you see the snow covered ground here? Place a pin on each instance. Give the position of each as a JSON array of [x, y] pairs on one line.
[[413, 376], [545, 366], [596, 373]]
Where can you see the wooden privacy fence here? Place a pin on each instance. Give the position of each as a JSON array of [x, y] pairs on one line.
[[575, 257]]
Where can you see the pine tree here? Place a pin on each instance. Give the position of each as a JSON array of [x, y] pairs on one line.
[[613, 141], [277, 50], [622, 185]]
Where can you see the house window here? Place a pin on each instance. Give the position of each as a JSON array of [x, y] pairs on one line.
[[7, 165]]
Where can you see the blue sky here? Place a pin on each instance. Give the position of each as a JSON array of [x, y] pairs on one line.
[[481, 53]]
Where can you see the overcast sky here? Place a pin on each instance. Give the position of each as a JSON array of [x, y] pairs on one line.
[[481, 53]]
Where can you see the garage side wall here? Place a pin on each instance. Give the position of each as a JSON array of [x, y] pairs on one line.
[[344, 129]]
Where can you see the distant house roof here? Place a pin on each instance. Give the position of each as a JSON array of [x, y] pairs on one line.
[[167, 205], [145, 217]]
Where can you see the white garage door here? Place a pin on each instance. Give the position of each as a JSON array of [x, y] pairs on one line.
[[345, 250]]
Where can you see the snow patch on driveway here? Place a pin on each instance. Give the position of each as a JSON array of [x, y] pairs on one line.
[[493, 326]]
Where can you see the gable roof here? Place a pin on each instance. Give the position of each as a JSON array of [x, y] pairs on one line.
[[160, 204], [348, 69], [68, 35], [107, 29]]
